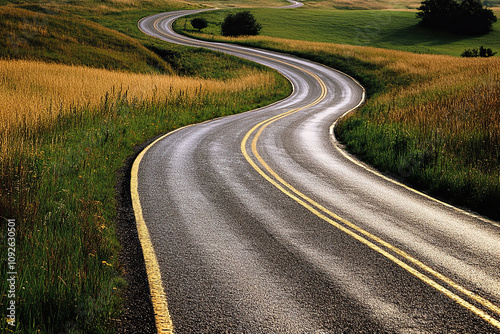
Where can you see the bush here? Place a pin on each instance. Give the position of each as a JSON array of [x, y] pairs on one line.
[[465, 17], [240, 24], [199, 23], [482, 52]]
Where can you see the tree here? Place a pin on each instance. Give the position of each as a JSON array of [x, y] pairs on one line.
[[437, 13], [240, 24], [199, 23], [465, 17], [473, 18]]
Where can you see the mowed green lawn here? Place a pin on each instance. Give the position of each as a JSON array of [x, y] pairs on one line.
[[385, 29]]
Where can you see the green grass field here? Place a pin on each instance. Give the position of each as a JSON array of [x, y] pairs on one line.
[[396, 30], [41, 33]]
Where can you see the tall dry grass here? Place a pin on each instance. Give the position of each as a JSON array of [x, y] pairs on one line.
[[33, 94], [375, 4], [364, 4], [116, 6]]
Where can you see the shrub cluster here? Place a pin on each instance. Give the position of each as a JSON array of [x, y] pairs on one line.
[[465, 17], [481, 52]]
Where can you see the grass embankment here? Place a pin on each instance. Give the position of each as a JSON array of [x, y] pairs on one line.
[[65, 132], [102, 35], [377, 4], [432, 120]]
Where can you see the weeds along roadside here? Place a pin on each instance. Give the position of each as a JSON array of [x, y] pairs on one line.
[[431, 121], [58, 169]]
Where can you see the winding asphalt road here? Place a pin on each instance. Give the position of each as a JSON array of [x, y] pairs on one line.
[[260, 223]]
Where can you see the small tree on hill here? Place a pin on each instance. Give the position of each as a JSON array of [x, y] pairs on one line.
[[240, 24], [199, 23], [465, 17]]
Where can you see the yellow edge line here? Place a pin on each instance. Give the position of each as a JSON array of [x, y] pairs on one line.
[[261, 126], [158, 298], [163, 319]]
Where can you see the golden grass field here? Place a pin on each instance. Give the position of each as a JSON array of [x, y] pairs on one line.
[[364, 4], [376, 4], [34, 93]]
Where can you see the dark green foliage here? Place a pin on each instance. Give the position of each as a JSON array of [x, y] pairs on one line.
[[482, 52], [240, 24], [467, 17], [436, 13], [199, 23]]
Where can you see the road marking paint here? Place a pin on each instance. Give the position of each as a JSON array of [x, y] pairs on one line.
[[158, 298], [316, 209], [405, 255]]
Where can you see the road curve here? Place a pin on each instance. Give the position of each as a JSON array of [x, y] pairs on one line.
[[258, 223]]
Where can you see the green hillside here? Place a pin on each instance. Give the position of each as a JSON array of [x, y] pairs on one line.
[[38, 33], [396, 30]]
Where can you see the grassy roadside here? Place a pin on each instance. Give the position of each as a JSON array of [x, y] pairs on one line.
[[431, 120], [65, 131], [58, 182]]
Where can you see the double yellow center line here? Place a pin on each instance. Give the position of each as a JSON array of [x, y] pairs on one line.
[[396, 255]]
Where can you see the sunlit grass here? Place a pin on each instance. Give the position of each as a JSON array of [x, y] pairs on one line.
[[362, 4], [376, 4], [47, 33], [33, 93]]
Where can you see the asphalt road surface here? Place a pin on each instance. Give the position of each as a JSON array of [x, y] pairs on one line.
[[260, 223]]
